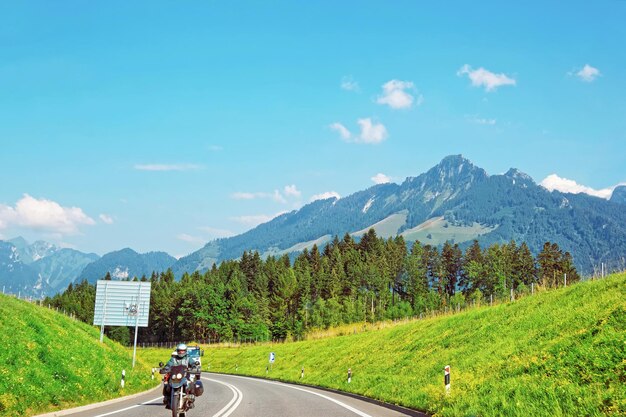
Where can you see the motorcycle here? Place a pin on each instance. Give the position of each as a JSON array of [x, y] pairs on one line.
[[183, 390]]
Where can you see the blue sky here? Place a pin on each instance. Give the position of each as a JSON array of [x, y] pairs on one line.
[[163, 125]]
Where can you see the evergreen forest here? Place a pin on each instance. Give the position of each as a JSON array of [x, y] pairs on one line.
[[345, 282]]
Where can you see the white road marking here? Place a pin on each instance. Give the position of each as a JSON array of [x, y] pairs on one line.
[[233, 403], [129, 408], [344, 405]]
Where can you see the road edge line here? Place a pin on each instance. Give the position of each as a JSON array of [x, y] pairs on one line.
[[88, 407]]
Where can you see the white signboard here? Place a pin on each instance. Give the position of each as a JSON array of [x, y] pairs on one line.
[[272, 357], [122, 303]]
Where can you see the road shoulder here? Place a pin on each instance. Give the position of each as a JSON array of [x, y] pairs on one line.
[[88, 407]]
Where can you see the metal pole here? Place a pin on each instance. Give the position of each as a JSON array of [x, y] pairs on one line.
[[104, 309], [136, 326], [565, 280]]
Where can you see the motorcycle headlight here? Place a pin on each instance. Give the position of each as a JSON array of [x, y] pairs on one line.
[[179, 376]]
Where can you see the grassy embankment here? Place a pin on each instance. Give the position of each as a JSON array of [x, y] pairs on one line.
[[557, 353], [49, 361]]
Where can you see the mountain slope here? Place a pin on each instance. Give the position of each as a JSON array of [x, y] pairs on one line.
[[15, 276], [30, 253], [557, 353], [619, 195], [472, 204], [51, 362], [127, 263], [63, 267]]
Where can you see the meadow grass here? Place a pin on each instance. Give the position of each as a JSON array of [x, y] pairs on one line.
[[49, 361], [557, 353]]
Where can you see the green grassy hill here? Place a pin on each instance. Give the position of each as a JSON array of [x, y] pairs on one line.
[[49, 361], [557, 353]]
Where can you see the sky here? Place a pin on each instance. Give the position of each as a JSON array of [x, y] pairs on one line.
[[163, 125]]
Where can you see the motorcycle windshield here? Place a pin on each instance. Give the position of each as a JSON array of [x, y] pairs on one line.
[[181, 370]]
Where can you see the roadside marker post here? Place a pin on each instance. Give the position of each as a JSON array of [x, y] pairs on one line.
[[272, 359], [446, 378], [349, 375], [302, 373], [123, 378]]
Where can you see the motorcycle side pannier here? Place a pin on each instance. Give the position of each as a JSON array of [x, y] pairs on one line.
[[198, 388]]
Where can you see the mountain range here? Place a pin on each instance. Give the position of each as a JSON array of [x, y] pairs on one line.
[[41, 268], [453, 201]]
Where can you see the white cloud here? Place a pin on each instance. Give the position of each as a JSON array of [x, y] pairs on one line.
[[588, 73], [554, 182], [106, 218], [371, 132], [484, 78], [481, 120], [381, 178], [292, 190], [278, 197], [166, 167], [348, 84], [343, 131], [255, 220], [190, 239], [395, 96], [45, 215], [326, 195], [217, 233], [245, 196]]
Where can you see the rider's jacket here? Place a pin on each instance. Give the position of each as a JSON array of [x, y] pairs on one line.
[[174, 361]]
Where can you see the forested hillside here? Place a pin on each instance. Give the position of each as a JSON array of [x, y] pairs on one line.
[[347, 282]]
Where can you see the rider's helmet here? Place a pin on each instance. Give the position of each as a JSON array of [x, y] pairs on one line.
[[181, 350]]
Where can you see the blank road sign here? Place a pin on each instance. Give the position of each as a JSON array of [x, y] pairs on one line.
[[122, 303]]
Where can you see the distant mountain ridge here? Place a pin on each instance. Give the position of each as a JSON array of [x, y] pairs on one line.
[[455, 200], [42, 268], [127, 263]]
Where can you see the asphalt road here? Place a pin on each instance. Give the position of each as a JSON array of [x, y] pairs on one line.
[[234, 396]]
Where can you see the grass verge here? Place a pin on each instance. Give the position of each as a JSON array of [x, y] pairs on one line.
[[558, 353], [51, 362]]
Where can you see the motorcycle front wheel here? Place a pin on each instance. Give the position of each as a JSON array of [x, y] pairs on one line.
[[175, 401]]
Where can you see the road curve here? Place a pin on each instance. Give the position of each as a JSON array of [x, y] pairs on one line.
[[236, 396]]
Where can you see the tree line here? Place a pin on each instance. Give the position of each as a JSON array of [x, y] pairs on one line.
[[345, 282]]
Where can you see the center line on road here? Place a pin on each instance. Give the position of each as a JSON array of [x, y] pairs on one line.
[[233, 403], [344, 405]]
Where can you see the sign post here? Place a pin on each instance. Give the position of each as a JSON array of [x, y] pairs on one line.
[[272, 359], [122, 303], [446, 378], [349, 375]]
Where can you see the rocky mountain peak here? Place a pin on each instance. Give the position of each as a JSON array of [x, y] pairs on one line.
[[454, 172]]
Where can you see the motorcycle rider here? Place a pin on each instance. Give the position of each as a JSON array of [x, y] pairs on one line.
[[179, 357]]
